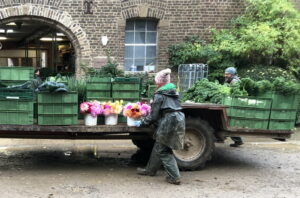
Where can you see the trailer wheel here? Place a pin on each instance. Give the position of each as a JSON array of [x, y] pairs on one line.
[[198, 145]]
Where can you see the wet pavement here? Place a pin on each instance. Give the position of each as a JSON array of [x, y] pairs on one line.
[[59, 168]]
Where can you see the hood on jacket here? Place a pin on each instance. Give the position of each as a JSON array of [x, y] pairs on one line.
[[168, 90]]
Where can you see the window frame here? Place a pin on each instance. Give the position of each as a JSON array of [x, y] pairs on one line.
[[134, 45]]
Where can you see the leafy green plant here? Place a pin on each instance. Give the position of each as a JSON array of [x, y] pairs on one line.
[[286, 87], [268, 33], [205, 91], [78, 85], [146, 80], [260, 72]]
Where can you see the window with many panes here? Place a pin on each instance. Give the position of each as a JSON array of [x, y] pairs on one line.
[[140, 45]]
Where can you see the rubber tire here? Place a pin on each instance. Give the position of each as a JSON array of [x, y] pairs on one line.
[[202, 127], [145, 145]]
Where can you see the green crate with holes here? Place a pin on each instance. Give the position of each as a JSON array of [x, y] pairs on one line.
[[99, 87], [126, 88], [278, 124], [239, 122], [249, 112], [16, 111], [17, 74], [58, 108]]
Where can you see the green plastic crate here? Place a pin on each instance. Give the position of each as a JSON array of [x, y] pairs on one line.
[[58, 108], [100, 99], [247, 102], [248, 112], [128, 100], [63, 108], [99, 88], [13, 82], [16, 105], [16, 111], [285, 101], [98, 94], [16, 73], [238, 122], [283, 114], [281, 124], [65, 97], [126, 84], [127, 80], [126, 94], [99, 84], [20, 93], [262, 103], [226, 101]]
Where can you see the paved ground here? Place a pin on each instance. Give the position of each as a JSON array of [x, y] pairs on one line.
[[43, 168]]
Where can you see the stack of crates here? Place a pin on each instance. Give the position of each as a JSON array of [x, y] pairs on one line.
[[283, 112], [16, 106], [99, 89], [58, 108], [15, 75], [128, 90], [248, 112]]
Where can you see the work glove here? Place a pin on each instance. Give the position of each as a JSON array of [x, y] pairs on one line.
[[138, 123]]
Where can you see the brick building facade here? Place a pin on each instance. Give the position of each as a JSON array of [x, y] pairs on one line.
[[176, 19]]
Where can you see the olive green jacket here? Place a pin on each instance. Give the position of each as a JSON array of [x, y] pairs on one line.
[[166, 112]]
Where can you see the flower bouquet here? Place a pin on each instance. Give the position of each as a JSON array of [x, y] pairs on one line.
[[135, 111], [91, 110], [111, 111]]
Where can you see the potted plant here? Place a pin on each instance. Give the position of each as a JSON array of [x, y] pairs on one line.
[[111, 110], [91, 110], [135, 111]]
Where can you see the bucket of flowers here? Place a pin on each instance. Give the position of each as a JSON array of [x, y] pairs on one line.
[[135, 111], [111, 110], [91, 110]]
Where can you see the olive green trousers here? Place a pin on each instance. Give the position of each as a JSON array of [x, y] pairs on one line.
[[163, 155]]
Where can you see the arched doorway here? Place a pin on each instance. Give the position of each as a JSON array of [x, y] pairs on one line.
[[57, 21], [36, 44]]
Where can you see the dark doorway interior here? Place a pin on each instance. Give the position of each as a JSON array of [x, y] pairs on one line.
[[34, 44]]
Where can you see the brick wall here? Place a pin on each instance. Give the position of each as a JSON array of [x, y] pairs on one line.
[[177, 19]]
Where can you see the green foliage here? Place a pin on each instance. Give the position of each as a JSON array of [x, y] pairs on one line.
[[268, 33], [205, 91], [195, 50], [78, 85], [286, 87], [109, 70], [259, 72], [146, 78]]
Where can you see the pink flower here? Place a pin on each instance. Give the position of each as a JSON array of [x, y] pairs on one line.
[[96, 110], [84, 107]]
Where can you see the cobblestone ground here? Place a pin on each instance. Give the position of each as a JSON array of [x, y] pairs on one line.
[[50, 168]]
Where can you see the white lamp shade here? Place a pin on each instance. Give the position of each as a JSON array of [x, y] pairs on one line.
[[104, 40]]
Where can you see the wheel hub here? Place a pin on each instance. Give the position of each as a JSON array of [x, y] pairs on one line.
[[194, 145]]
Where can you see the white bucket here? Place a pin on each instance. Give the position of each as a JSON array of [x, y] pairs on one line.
[[89, 120], [131, 121], [111, 119]]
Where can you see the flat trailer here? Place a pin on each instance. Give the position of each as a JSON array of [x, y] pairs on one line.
[[205, 125]]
